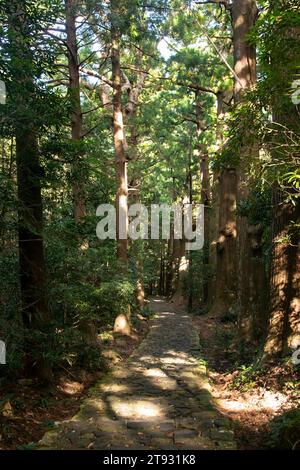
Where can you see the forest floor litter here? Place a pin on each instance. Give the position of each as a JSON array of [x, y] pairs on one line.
[[253, 397], [27, 410]]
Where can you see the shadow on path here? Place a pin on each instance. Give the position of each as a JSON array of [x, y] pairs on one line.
[[158, 399]]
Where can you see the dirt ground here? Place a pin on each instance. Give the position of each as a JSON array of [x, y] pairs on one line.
[[27, 410], [251, 397]]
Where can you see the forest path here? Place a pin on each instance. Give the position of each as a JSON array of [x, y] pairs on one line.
[[158, 399]]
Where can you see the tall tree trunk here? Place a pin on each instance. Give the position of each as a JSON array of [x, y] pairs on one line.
[[293, 334], [205, 191], [161, 285], [170, 271], [35, 311], [213, 238], [119, 140], [223, 282], [284, 323], [76, 119], [244, 14], [31, 252], [284, 320], [225, 286], [87, 328], [180, 271], [136, 246], [215, 203], [122, 322], [190, 279], [135, 184], [206, 201]]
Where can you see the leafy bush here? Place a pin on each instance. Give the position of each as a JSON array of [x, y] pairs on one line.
[[10, 314], [82, 303], [147, 312], [229, 317], [115, 296], [246, 379], [285, 431]]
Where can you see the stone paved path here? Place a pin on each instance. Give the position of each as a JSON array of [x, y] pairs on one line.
[[158, 399]]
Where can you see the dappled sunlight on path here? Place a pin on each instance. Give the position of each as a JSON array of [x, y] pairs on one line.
[[159, 399]]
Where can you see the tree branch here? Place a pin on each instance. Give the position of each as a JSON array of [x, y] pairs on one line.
[[193, 86], [96, 75], [224, 3]]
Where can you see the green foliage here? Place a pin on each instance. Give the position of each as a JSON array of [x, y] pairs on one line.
[[257, 207], [246, 378], [285, 431], [115, 296], [198, 275], [229, 317], [30, 446], [258, 210], [10, 321], [147, 312], [291, 182]]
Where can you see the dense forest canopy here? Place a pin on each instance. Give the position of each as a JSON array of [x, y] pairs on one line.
[[154, 102]]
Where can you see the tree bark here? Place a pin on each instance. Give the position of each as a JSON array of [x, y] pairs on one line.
[[206, 201], [170, 268], [180, 271], [223, 282], [215, 203], [205, 192], [119, 140], [134, 92], [213, 238], [87, 327], [284, 319], [225, 287], [35, 311], [78, 189], [244, 14]]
